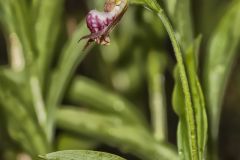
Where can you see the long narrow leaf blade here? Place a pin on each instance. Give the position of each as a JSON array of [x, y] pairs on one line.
[[80, 155], [94, 96], [70, 57], [156, 67], [220, 57], [115, 132]]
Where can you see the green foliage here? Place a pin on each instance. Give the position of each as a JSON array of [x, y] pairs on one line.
[[80, 155], [87, 92], [221, 55], [156, 65], [41, 91], [109, 130], [193, 117], [71, 56]]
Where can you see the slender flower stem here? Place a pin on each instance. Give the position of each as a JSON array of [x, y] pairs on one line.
[[185, 84], [189, 111]]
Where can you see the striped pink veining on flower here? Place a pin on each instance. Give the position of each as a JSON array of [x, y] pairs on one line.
[[100, 24], [97, 21]]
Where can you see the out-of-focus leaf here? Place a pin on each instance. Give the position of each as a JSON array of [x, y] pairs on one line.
[[15, 21], [115, 132], [22, 53], [220, 57], [21, 124], [128, 78], [27, 90], [137, 2], [156, 64], [207, 19], [180, 14], [17, 104], [80, 155], [12, 80], [149, 19], [90, 93], [5, 142], [67, 141], [6, 19], [47, 30], [70, 57]]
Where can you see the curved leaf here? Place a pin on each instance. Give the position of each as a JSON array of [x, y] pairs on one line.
[[188, 85], [88, 92], [80, 155], [70, 57], [115, 132]]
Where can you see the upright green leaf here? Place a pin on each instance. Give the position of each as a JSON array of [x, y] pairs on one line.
[[72, 54], [198, 106], [197, 97], [180, 13], [189, 108], [16, 23], [189, 111], [220, 57], [156, 64], [22, 51], [47, 27], [29, 135], [80, 155]]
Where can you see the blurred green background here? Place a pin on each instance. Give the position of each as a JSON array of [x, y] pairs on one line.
[[110, 77]]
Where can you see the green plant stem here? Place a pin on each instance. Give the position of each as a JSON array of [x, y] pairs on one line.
[[180, 15], [189, 110], [185, 84]]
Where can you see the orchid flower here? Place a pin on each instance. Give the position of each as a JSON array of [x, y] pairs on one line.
[[101, 24]]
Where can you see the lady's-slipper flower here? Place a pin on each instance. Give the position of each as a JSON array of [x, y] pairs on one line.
[[101, 24]]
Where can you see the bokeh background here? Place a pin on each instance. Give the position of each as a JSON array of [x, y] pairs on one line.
[[121, 67]]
